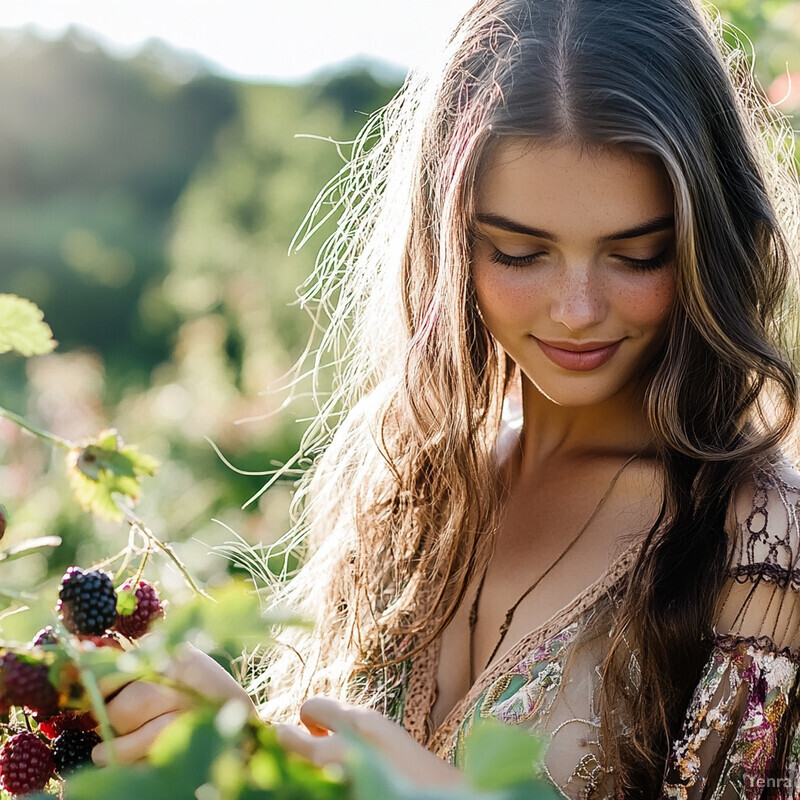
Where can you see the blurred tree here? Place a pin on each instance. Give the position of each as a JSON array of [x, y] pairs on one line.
[[94, 152]]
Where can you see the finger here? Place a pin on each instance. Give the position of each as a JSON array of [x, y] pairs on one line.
[[142, 701], [198, 671], [134, 746], [111, 685], [326, 714], [321, 751]]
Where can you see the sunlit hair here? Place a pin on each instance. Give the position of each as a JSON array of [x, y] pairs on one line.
[[399, 510]]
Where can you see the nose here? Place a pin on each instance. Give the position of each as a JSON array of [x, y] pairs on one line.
[[578, 300]]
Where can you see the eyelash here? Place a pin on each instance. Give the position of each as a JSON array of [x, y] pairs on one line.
[[639, 264]]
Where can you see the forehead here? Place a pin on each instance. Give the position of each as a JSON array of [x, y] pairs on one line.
[[569, 188]]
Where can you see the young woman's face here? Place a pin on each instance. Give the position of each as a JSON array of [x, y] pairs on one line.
[[573, 264]]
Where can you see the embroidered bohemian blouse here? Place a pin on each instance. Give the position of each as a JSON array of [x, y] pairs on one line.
[[742, 708]]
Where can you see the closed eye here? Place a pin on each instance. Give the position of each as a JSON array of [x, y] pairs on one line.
[[647, 264], [499, 257]]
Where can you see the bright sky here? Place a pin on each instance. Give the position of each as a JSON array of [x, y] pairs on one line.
[[276, 39]]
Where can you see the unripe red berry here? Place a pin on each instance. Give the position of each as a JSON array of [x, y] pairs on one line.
[[148, 608]]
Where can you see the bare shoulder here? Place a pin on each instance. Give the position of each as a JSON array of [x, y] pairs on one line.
[[761, 598]]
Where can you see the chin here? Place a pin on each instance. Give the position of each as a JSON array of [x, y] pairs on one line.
[[578, 393]]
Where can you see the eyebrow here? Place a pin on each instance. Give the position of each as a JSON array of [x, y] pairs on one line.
[[654, 225]]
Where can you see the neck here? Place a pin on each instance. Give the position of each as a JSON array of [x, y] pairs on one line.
[[616, 427]]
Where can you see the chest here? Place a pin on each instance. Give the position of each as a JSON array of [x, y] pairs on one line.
[[547, 558]]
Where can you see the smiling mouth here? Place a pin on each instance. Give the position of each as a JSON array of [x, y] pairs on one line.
[[579, 356]]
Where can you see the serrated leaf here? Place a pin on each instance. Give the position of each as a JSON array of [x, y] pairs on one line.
[[22, 327], [103, 467]]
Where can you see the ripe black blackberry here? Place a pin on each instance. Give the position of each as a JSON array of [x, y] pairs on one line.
[[26, 683], [148, 608], [26, 764], [87, 602], [72, 748]]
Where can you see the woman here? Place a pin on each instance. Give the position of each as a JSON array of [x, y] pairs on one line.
[[581, 219]]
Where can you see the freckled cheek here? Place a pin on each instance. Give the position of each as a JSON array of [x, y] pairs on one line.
[[651, 302], [505, 296]]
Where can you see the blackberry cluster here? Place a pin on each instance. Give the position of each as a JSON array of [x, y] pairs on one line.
[[26, 764], [148, 608], [87, 606], [87, 602]]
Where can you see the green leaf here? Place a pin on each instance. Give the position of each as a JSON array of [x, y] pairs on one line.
[[22, 327], [500, 756], [103, 467], [235, 619]]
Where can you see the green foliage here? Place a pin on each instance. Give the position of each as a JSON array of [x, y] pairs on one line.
[[104, 467], [22, 327], [769, 30], [498, 757]]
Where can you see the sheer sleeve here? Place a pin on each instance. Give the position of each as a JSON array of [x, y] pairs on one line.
[[740, 737]]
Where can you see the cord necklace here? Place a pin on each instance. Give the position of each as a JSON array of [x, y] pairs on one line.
[[503, 630]]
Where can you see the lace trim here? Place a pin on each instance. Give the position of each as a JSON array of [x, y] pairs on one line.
[[729, 642], [766, 551], [560, 620], [421, 693], [782, 577]]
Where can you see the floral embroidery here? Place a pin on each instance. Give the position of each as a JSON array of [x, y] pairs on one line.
[[768, 679]]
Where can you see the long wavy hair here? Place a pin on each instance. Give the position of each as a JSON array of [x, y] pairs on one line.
[[398, 512]]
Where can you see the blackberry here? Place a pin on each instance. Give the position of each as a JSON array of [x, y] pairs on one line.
[[25, 682], [26, 764], [72, 749], [148, 608], [87, 602], [68, 721]]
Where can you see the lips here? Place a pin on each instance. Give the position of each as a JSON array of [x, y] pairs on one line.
[[579, 356]]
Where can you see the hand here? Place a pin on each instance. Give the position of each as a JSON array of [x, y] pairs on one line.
[[141, 709], [324, 717]]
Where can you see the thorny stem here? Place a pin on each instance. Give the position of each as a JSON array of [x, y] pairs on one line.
[[165, 548], [149, 537], [36, 431]]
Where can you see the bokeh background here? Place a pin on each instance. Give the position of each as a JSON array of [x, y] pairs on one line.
[[148, 198]]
